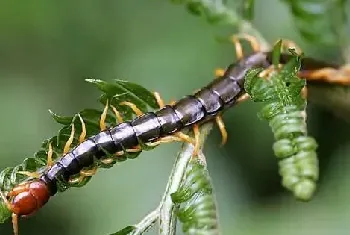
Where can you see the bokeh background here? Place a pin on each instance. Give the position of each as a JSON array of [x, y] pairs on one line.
[[47, 47]]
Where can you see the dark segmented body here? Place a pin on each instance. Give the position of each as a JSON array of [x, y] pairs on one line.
[[205, 104], [202, 106]]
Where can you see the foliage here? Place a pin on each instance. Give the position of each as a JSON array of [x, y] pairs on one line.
[[318, 20], [115, 93], [284, 109], [196, 200]]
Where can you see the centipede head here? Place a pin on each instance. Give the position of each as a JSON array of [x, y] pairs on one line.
[[27, 198]]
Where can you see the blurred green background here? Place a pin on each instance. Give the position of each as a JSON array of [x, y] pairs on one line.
[[47, 47]]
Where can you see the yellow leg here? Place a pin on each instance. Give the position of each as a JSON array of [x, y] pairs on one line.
[[83, 174], [134, 108], [103, 117], [69, 141], [243, 98], [160, 101], [15, 223], [35, 175], [83, 130], [288, 44], [222, 129], [304, 92], [166, 139], [118, 116], [196, 139], [14, 216], [184, 137], [136, 149], [6, 201], [219, 73], [331, 75], [49, 156], [238, 46], [107, 161]]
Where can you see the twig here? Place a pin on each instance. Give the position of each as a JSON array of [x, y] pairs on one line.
[[146, 223], [167, 217]]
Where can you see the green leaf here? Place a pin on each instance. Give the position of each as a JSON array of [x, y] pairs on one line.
[[115, 92], [5, 213], [125, 231], [284, 110], [248, 9], [276, 53], [319, 21], [197, 209]]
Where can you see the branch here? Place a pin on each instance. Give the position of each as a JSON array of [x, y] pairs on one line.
[[167, 220], [146, 223]]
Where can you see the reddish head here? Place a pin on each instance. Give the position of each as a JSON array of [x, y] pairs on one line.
[[27, 198]]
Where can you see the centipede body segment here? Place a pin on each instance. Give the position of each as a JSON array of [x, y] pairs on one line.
[[149, 128]]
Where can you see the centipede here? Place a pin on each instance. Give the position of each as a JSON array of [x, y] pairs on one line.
[[83, 156]]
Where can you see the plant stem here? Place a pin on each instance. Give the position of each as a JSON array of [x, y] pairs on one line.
[[167, 216], [146, 223]]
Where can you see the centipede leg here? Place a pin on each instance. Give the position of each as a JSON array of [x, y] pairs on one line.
[[36, 175], [69, 141], [83, 130], [14, 216], [15, 223], [83, 174], [166, 139], [103, 117], [178, 136], [238, 46], [331, 75], [134, 108], [118, 116], [196, 139], [159, 99], [222, 129], [219, 73], [287, 44]]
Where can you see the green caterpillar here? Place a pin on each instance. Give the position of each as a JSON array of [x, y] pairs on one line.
[[285, 112], [195, 197]]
